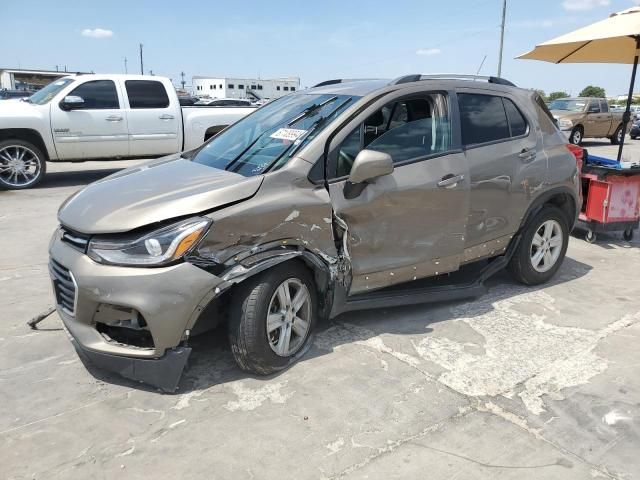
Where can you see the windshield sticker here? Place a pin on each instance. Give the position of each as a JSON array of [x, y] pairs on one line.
[[291, 134]]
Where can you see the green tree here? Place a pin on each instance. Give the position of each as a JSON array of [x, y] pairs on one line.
[[593, 91], [556, 95]]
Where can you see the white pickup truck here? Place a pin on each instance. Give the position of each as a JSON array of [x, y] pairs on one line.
[[100, 117]]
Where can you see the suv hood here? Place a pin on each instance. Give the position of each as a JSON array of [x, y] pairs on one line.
[[160, 190]]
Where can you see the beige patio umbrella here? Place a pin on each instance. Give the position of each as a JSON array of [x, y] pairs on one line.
[[613, 40]]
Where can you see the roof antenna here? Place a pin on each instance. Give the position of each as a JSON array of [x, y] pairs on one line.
[[480, 67]]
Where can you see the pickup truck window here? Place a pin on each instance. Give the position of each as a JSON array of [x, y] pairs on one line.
[[97, 95], [266, 139], [146, 94], [47, 93], [568, 104]]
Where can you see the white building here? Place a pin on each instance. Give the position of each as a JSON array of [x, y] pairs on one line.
[[251, 88]]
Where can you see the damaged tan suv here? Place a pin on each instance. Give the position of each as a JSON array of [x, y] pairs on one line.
[[349, 195]]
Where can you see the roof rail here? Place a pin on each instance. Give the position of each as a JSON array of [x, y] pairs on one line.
[[341, 80], [450, 76]]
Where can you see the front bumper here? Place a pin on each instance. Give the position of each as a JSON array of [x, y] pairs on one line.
[[168, 299]]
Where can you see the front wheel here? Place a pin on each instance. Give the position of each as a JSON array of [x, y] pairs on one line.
[[272, 317], [542, 247], [22, 165], [576, 136], [618, 136]]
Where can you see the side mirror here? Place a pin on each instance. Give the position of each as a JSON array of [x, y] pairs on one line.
[[370, 164], [71, 102]]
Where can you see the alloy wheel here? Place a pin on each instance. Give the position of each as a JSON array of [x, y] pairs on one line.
[[19, 166], [546, 246], [289, 317]]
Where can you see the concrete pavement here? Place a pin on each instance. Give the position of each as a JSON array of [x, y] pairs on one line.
[[523, 383]]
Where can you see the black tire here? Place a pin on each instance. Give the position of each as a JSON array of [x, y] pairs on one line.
[[590, 236], [633, 137], [577, 134], [520, 266], [617, 137], [628, 235], [39, 159], [248, 320]]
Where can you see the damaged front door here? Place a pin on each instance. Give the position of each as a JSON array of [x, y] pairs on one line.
[[408, 224]]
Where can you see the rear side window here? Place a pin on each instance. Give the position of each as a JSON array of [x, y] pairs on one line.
[[483, 118], [97, 95], [545, 117], [146, 94], [517, 123]]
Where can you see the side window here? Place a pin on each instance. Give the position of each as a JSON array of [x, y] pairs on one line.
[[98, 95], [146, 94], [483, 118], [594, 107], [604, 106], [408, 129], [517, 122]]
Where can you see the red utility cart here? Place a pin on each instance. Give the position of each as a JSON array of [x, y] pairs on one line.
[[611, 200]]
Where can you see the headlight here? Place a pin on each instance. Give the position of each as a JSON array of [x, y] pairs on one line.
[[565, 123], [156, 248]]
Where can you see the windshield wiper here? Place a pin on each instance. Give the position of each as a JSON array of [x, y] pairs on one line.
[[309, 110], [316, 125]]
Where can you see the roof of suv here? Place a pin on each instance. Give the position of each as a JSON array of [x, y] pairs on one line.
[[362, 87]]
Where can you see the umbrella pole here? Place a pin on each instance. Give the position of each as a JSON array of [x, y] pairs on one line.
[[626, 116]]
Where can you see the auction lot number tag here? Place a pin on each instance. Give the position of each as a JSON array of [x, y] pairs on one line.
[[291, 134]]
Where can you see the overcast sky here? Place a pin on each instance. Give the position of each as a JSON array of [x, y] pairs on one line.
[[313, 40]]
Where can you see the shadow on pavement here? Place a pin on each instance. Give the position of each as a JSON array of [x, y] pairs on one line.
[[74, 179], [211, 362]]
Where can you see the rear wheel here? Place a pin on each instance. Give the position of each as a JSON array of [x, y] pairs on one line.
[[22, 165], [628, 235], [618, 136], [576, 136], [272, 318], [542, 247]]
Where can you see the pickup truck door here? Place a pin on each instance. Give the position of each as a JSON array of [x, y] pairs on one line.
[[598, 122], [155, 119], [408, 224], [95, 128]]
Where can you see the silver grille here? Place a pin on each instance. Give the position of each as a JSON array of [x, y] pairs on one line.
[[64, 287]]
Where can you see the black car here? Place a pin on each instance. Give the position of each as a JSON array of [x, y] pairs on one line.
[[635, 130], [7, 94]]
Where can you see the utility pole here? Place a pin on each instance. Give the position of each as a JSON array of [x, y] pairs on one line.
[[125, 65], [182, 82], [504, 16], [141, 63]]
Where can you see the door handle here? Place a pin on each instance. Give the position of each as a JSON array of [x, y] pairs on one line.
[[165, 116], [113, 118], [527, 154], [450, 180]]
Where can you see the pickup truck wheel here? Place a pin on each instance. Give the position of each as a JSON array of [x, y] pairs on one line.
[[22, 165], [542, 247], [618, 136], [272, 318], [576, 136]]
